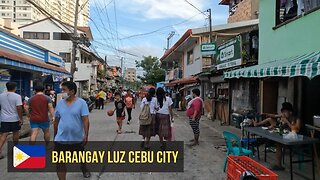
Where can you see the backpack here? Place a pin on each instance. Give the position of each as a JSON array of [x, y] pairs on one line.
[[145, 117]]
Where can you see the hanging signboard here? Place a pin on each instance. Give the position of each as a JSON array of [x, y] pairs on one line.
[[208, 49], [229, 54]]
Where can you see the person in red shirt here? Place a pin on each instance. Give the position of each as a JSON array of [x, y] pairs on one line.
[[37, 110], [130, 104], [194, 112]]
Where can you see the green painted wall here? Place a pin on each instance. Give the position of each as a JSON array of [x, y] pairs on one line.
[[295, 38]]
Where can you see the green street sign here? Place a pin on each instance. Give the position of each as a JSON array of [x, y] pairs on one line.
[[208, 49]]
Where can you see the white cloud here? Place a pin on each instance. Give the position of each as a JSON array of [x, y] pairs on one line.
[[144, 49], [159, 9]]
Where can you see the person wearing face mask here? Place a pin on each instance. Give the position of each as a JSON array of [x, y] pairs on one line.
[[71, 126], [194, 112]]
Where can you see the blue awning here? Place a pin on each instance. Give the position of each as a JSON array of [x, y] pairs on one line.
[[18, 60]]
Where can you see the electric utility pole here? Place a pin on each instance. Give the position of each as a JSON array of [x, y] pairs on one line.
[[210, 24], [122, 58], [172, 33], [74, 40]]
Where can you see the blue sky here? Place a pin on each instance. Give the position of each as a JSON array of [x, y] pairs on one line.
[[118, 24]]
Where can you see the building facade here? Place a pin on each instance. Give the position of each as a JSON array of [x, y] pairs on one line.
[[242, 10], [130, 75], [200, 70], [289, 58], [22, 12], [56, 36], [28, 64], [10, 26]]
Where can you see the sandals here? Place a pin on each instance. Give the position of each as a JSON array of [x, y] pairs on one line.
[[119, 131], [193, 144], [85, 172]]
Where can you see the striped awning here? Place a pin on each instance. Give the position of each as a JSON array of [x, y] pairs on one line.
[[307, 65]]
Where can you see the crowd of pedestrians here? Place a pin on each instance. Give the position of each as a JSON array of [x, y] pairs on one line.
[[70, 117]]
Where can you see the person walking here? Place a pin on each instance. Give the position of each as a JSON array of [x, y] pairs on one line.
[[71, 126], [47, 91], [194, 112], [37, 110], [164, 116], [11, 114], [120, 107], [148, 130], [96, 102], [130, 104], [101, 99]]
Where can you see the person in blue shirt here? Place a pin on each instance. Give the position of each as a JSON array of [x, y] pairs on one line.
[[71, 126]]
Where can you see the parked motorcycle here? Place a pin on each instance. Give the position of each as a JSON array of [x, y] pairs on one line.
[[90, 102]]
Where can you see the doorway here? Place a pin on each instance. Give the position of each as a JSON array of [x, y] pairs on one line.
[[270, 96]]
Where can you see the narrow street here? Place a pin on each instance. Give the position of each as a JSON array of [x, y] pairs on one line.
[[201, 163]]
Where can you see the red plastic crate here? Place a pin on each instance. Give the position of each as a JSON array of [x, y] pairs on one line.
[[239, 164]]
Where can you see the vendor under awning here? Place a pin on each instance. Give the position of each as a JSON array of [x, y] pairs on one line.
[[307, 65]]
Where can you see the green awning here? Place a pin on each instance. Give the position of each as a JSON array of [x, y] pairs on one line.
[[304, 65]]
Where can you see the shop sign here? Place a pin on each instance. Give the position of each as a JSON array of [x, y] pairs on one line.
[[57, 78], [4, 78], [229, 54], [55, 59], [208, 49]]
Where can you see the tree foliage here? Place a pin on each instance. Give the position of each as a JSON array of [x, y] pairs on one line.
[[152, 70]]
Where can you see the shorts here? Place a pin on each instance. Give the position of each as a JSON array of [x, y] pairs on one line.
[[120, 118], [41, 125], [75, 146], [9, 127]]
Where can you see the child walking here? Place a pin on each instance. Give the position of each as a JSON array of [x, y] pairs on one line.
[[120, 107]]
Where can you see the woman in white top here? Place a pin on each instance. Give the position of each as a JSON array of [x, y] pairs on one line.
[[148, 130], [164, 116]]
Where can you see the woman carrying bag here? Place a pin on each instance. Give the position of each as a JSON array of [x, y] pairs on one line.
[[147, 128], [164, 116]]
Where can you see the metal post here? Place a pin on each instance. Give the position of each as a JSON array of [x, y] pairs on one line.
[[172, 33], [122, 67], [74, 41], [210, 24]]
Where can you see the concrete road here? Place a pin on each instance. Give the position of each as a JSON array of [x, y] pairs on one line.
[[202, 162]]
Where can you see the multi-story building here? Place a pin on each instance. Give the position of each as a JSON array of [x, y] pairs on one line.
[[9, 26], [56, 36], [189, 66], [22, 12], [289, 58], [130, 75], [28, 65], [241, 10]]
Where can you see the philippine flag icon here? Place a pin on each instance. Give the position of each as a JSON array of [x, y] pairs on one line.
[[29, 157]]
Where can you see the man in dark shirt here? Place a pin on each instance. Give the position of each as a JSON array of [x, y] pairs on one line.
[[37, 110], [120, 107], [47, 91]]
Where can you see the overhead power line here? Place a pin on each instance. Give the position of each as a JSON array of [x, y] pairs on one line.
[[82, 6], [160, 29], [47, 14], [202, 12]]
